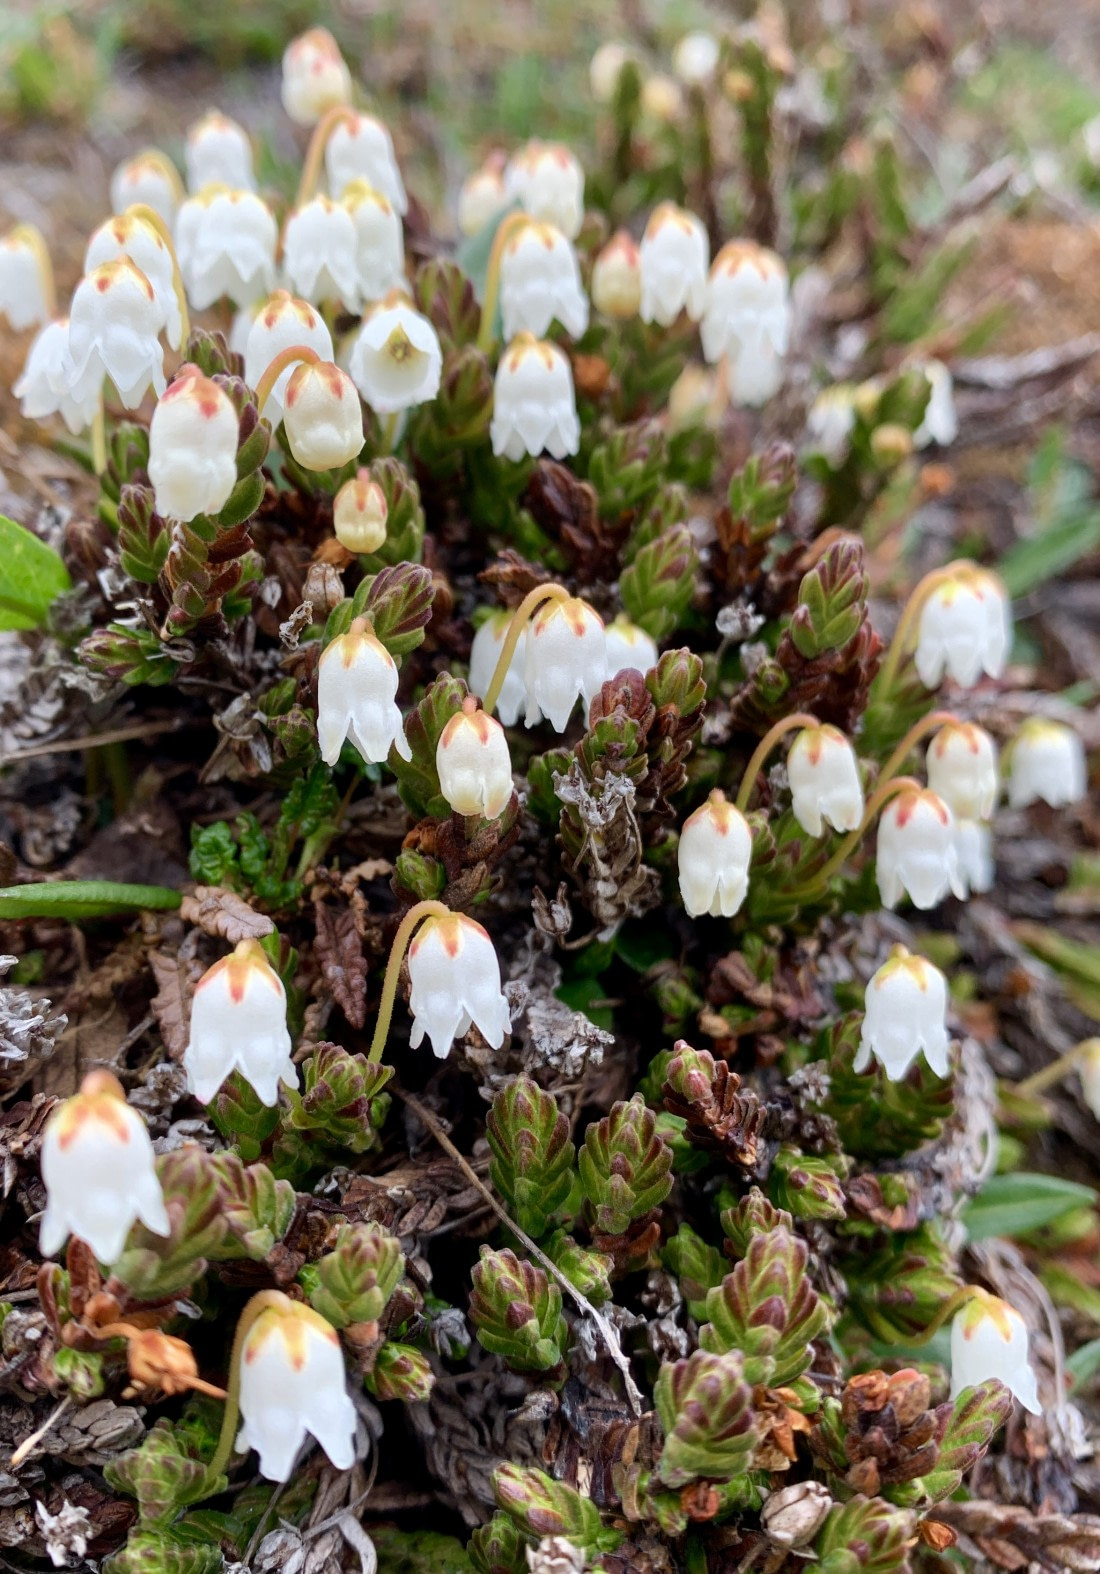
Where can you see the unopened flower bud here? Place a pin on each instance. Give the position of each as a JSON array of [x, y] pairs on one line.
[[473, 763], [99, 1172], [695, 58], [662, 98], [673, 258], [322, 416], [990, 1339], [540, 281], [606, 67], [25, 278], [238, 1023], [455, 978], [280, 324], [905, 1014], [359, 514], [487, 645], [356, 697], [483, 198], [566, 660], [714, 854], [824, 777], [293, 1383], [549, 183], [361, 148], [150, 178], [793, 1516], [534, 406], [225, 241], [962, 768], [940, 424], [965, 629], [617, 277], [916, 855], [114, 321], [396, 361], [629, 648], [315, 76], [218, 153], [696, 398], [159, 1361], [193, 447], [1046, 761], [891, 443], [320, 247]]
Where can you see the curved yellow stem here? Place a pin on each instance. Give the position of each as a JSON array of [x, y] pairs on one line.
[[293, 353], [260, 1302], [920, 729], [393, 970], [953, 1304], [505, 230], [150, 216], [520, 618], [876, 802], [798, 718], [1039, 1081], [315, 153], [910, 614]]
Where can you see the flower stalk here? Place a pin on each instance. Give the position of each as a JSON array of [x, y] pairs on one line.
[[875, 803], [767, 743], [505, 230], [295, 353], [523, 614], [401, 939], [1050, 1075]]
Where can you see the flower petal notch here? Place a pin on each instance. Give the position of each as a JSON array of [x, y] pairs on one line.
[[238, 1023]]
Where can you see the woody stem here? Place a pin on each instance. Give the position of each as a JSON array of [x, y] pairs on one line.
[[232, 1412], [285, 358], [798, 718], [1039, 1081], [520, 618], [393, 971], [877, 801], [906, 623], [505, 230], [318, 142]]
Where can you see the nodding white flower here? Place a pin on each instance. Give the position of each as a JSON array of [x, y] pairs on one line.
[[629, 648], [218, 153], [905, 1015], [565, 660], [43, 385], [379, 242], [129, 235], [825, 786], [548, 183], [473, 763], [989, 1339], [695, 58], [99, 1172], [225, 242], [974, 847], [280, 324], [396, 360], [713, 858], [292, 1383], [965, 629], [356, 697], [114, 320], [540, 280], [939, 424], [962, 768], [747, 316], [315, 76], [916, 855], [662, 98], [151, 178], [322, 416], [455, 978], [193, 447], [483, 198], [359, 514], [238, 1023], [361, 148], [320, 246], [487, 645], [1046, 761], [25, 278], [617, 277], [534, 407], [673, 258], [830, 421], [606, 67]]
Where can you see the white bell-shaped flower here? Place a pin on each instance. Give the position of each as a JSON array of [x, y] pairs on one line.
[[356, 697], [962, 768], [990, 1339], [1046, 761], [114, 320], [322, 416], [916, 855], [548, 182], [455, 978], [293, 1383], [482, 199], [238, 1023], [825, 785], [673, 258], [713, 858], [629, 648], [974, 850], [43, 385], [359, 514], [748, 318], [939, 424], [150, 178], [396, 361], [473, 763], [540, 280], [315, 76], [566, 660], [280, 324], [193, 447], [319, 253], [830, 422], [25, 278], [606, 67], [361, 148], [218, 153], [379, 242], [905, 1015], [226, 241], [617, 277], [534, 406], [695, 58], [99, 1172], [488, 642], [964, 629], [129, 235]]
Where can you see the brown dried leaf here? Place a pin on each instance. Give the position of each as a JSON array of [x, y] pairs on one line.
[[224, 915], [339, 947], [171, 1005], [1013, 1538]]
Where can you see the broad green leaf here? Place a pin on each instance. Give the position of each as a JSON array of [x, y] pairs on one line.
[[1014, 1204], [31, 577], [83, 899]]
